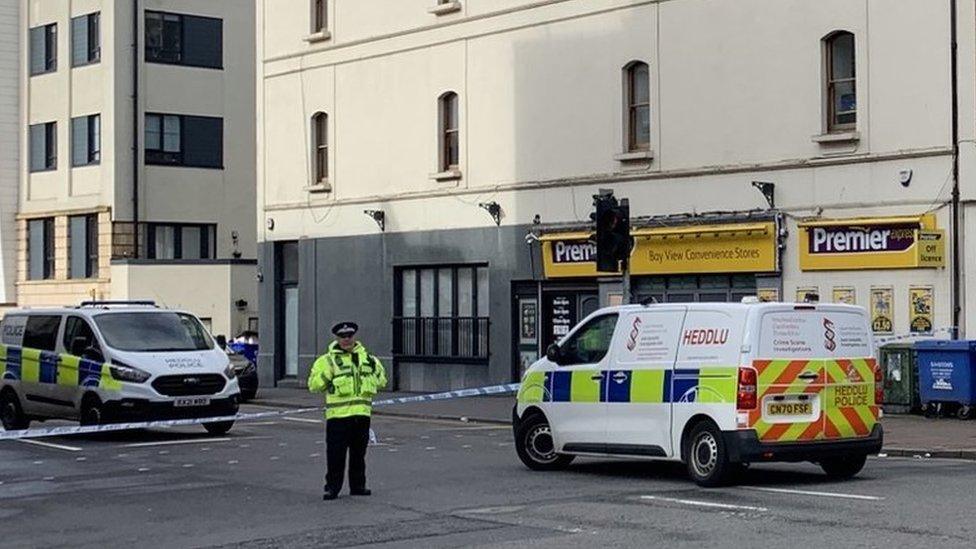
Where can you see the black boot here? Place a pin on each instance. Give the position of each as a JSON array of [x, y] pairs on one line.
[[329, 495], [361, 492]]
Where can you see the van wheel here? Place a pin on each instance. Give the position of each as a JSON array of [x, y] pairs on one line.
[[708, 460], [11, 413], [843, 467], [535, 446], [92, 412], [218, 427]]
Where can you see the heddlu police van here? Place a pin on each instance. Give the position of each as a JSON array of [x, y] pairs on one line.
[[106, 362], [716, 386]]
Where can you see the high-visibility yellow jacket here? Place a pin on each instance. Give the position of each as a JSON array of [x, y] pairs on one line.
[[349, 380]]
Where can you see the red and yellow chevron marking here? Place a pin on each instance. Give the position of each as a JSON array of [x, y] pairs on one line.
[[849, 404], [846, 389], [782, 377]]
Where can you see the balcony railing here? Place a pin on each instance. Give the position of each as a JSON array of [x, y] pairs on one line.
[[442, 338]]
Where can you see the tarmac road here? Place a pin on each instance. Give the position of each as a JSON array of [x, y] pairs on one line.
[[447, 484]]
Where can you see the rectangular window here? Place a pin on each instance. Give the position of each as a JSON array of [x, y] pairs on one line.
[[86, 42], [182, 241], [183, 140], [41, 332], [83, 245], [442, 313], [320, 18], [44, 147], [184, 40], [86, 141], [40, 249], [44, 49]]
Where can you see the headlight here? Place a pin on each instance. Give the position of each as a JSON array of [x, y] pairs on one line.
[[124, 372], [229, 371]]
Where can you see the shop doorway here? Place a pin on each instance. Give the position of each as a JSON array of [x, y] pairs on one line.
[[541, 316]]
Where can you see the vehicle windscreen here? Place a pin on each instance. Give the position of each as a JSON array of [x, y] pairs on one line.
[[153, 332]]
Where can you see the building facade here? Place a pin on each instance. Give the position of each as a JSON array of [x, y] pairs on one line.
[[9, 147], [427, 168], [138, 143]]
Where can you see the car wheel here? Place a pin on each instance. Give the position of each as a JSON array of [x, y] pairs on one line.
[[535, 446], [92, 412], [11, 413], [844, 466], [218, 427], [707, 458]]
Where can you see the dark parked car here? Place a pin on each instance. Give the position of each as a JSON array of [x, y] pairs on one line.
[[247, 375]]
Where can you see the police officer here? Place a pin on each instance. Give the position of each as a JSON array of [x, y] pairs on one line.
[[349, 376]]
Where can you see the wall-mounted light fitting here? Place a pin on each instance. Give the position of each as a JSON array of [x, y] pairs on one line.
[[379, 216], [494, 210], [241, 304], [768, 191]]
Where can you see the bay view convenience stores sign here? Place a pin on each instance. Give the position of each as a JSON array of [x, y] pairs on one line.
[[728, 248], [878, 243]]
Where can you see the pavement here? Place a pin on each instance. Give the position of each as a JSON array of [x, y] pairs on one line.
[[905, 435], [439, 484]]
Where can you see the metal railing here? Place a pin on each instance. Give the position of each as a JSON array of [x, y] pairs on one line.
[[441, 337]]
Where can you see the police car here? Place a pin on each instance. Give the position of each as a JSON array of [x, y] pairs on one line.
[[104, 362], [715, 386]]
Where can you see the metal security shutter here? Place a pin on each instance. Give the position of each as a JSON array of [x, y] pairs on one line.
[[37, 50], [203, 142], [79, 141], [203, 42], [38, 152], [79, 41]]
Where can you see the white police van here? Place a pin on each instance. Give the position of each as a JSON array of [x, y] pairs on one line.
[[112, 361], [713, 385]]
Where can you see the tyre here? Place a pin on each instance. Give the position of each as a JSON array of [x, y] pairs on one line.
[[707, 458], [218, 427], [844, 467], [535, 446], [92, 411], [964, 412], [11, 413]]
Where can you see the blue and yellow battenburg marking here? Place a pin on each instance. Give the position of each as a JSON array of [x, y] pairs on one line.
[[35, 366], [704, 385]]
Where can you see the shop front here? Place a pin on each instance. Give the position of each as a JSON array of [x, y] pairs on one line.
[[672, 264], [894, 266]]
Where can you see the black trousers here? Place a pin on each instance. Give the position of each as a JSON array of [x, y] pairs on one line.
[[346, 434]]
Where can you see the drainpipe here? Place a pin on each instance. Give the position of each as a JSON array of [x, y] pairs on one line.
[[135, 128], [956, 248]]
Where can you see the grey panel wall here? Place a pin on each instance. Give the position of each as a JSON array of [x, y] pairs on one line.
[[351, 278]]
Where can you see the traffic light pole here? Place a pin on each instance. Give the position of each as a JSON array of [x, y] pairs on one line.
[[625, 267]]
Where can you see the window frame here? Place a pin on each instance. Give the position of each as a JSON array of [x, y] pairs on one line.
[[320, 148], [50, 44], [162, 157], [37, 319], [831, 82], [573, 336], [50, 130], [632, 106], [75, 319], [449, 131], [89, 247], [93, 139], [319, 17], [47, 254], [93, 54], [429, 347], [208, 241], [179, 55]]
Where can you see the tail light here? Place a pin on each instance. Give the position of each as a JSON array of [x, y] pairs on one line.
[[878, 385], [746, 397]]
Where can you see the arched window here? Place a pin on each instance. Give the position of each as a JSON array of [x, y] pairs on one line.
[[320, 19], [840, 77], [449, 138], [637, 81], [320, 147]]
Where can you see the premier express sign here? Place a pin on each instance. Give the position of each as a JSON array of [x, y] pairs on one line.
[[871, 244]]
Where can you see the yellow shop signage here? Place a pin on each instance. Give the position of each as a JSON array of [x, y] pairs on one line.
[[876, 243], [729, 248]]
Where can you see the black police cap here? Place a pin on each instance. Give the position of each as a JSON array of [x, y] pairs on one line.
[[345, 329]]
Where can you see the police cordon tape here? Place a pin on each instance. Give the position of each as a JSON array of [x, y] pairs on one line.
[[880, 341], [87, 429]]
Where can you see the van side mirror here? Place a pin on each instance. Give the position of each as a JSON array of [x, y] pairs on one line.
[[221, 341], [554, 353]]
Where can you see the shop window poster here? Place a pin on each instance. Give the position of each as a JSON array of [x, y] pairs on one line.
[[921, 309], [803, 291], [845, 295], [882, 305]]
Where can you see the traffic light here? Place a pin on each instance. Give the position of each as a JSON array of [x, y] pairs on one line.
[[613, 241]]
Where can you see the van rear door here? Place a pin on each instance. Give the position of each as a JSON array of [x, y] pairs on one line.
[[815, 375]]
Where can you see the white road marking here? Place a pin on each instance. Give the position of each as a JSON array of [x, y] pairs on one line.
[[187, 465], [275, 458], [233, 462], [48, 478], [143, 469], [430, 448], [479, 428], [81, 459], [707, 504], [314, 455], [50, 445], [812, 493], [190, 441], [302, 420]]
